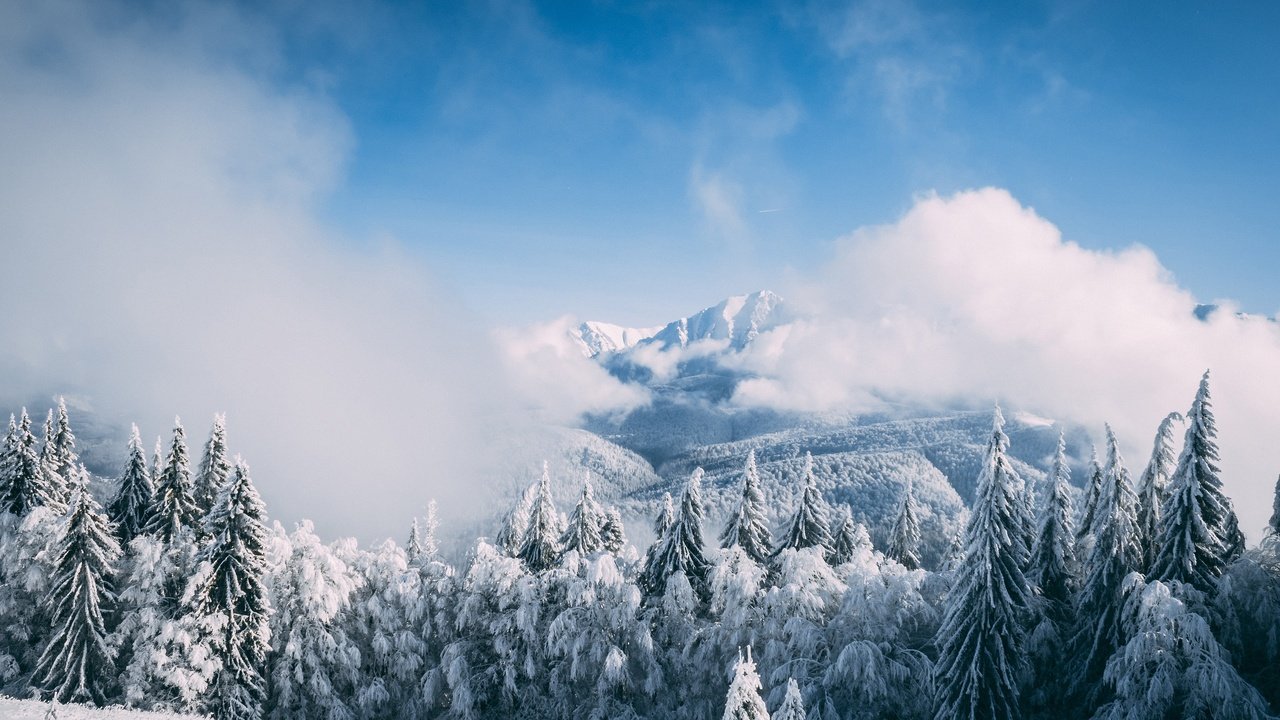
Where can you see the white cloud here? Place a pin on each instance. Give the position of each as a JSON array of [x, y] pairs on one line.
[[975, 297]]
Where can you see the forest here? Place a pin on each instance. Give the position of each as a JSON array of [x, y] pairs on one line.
[[169, 588]]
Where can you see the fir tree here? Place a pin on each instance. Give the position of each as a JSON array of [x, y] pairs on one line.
[[1273, 526], [743, 701], [809, 526], [584, 532], [904, 537], [1092, 491], [134, 502], [1194, 543], [76, 665], [511, 535], [214, 466], [680, 548], [431, 534], [846, 540], [413, 548], [27, 485], [747, 527], [1114, 554], [59, 491], [175, 506], [231, 587], [541, 547], [613, 533], [62, 457], [661, 523], [792, 705], [8, 456], [980, 640], [1152, 489], [1053, 571]]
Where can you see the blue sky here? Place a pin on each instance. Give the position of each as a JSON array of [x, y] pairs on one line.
[[634, 161]]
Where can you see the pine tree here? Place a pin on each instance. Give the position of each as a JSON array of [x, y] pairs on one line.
[[743, 701], [214, 466], [1091, 493], [846, 541], [541, 547], [583, 534], [413, 548], [59, 492], [231, 587], [792, 705], [1273, 526], [1152, 489], [8, 456], [809, 526], [1114, 554], [1052, 571], [680, 548], [175, 506], [511, 535], [134, 503], [980, 640], [156, 456], [747, 527], [431, 534], [27, 485], [62, 457], [904, 537], [1194, 543], [76, 665], [613, 533]]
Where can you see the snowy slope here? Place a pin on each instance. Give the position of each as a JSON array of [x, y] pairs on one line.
[[738, 320], [11, 709], [595, 338]]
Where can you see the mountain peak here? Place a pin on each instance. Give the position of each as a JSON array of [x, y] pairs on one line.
[[737, 319]]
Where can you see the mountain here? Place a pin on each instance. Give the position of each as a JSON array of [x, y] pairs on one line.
[[736, 320], [594, 338]]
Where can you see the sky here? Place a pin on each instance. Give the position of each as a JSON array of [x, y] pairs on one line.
[[362, 229]]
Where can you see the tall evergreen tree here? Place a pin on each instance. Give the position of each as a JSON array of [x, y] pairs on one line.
[[665, 518], [175, 506], [747, 527], [1273, 526], [541, 547], [743, 701], [58, 490], [511, 535], [904, 536], [27, 485], [981, 638], [792, 704], [76, 665], [680, 548], [1195, 540], [1114, 554], [62, 457], [847, 540], [586, 523], [214, 466], [1052, 571], [134, 503], [1152, 489], [809, 526], [613, 532], [231, 586], [1092, 491], [413, 548], [431, 534]]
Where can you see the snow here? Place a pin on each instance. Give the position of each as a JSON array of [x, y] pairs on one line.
[[13, 709], [1031, 419], [595, 337]]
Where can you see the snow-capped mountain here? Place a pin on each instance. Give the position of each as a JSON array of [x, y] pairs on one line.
[[595, 338], [738, 320]]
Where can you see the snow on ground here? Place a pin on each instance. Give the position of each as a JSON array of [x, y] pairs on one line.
[[12, 709]]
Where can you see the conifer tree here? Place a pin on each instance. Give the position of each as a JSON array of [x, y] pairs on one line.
[[747, 527], [511, 535], [134, 503], [584, 532], [680, 548], [792, 705], [743, 701], [413, 548], [1053, 571], [613, 533], [156, 457], [541, 547], [59, 491], [904, 537], [846, 540], [76, 665], [809, 527], [1092, 490], [1114, 554], [27, 485], [175, 506], [1152, 489], [981, 638], [1273, 526], [665, 518], [62, 457], [214, 466], [231, 586], [8, 456], [431, 534], [1195, 540]]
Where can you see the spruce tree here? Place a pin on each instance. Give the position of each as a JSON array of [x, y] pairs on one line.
[[175, 506], [1196, 540], [809, 526], [904, 537], [661, 523], [27, 485], [846, 540], [613, 533], [511, 535], [747, 527], [680, 548], [792, 705], [413, 548], [63, 458], [1052, 571], [9, 457], [1273, 526], [743, 701], [1092, 491], [541, 547], [59, 491], [214, 466], [1152, 489], [584, 531], [431, 534], [76, 665], [231, 587], [1113, 555], [980, 641], [134, 503]]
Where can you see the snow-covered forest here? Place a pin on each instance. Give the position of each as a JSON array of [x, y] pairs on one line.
[[169, 588]]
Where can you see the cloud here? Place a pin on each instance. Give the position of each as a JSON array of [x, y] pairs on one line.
[[974, 297]]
